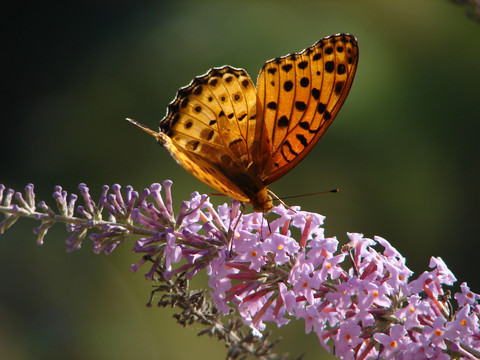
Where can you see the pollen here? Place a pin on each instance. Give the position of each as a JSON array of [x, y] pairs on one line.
[[469, 295], [438, 332], [400, 277], [412, 309], [280, 247], [329, 265], [375, 294], [305, 284], [393, 344], [253, 253], [463, 322], [348, 337]]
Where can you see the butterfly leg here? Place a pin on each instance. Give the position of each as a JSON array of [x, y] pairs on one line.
[[199, 205], [265, 218], [236, 205]]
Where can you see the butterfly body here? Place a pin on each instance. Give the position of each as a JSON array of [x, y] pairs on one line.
[[238, 138]]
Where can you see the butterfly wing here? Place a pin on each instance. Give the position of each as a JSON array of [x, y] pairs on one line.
[[210, 127], [203, 169], [298, 96]]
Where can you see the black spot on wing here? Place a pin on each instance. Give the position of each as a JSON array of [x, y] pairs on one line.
[[287, 147], [304, 125], [283, 122], [272, 105], [302, 65], [302, 139], [327, 116], [192, 145], [207, 134], [321, 108], [339, 87], [184, 103], [329, 66], [300, 105], [304, 82], [287, 85]]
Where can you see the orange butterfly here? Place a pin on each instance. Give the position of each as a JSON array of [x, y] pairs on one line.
[[237, 138]]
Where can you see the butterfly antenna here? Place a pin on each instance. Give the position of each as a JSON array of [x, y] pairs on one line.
[[146, 129], [303, 195]]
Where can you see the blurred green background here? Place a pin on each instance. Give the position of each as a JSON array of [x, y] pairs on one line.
[[403, 151]]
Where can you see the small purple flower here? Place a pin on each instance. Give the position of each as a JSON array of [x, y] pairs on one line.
[[281, 247], [410, 312], [319, 249], [464, 326], [347, 338], [331, 267], [392, 343], [288, 298], [250, 251], [311, 316], [173, 252], [304, 279], [444, 274], [466, 296], [437, 333]]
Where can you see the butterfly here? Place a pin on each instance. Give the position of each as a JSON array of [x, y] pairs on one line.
[[238, 138]]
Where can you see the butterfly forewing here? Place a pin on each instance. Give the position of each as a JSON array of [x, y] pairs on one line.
[[302, 95], [210, 128]]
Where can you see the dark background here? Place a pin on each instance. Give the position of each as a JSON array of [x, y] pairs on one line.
[[403, 150]]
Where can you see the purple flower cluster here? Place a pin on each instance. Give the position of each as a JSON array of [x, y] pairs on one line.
[[360, 300], [283, 268]]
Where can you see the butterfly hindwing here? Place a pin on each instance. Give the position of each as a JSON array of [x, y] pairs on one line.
[[204, 170]]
